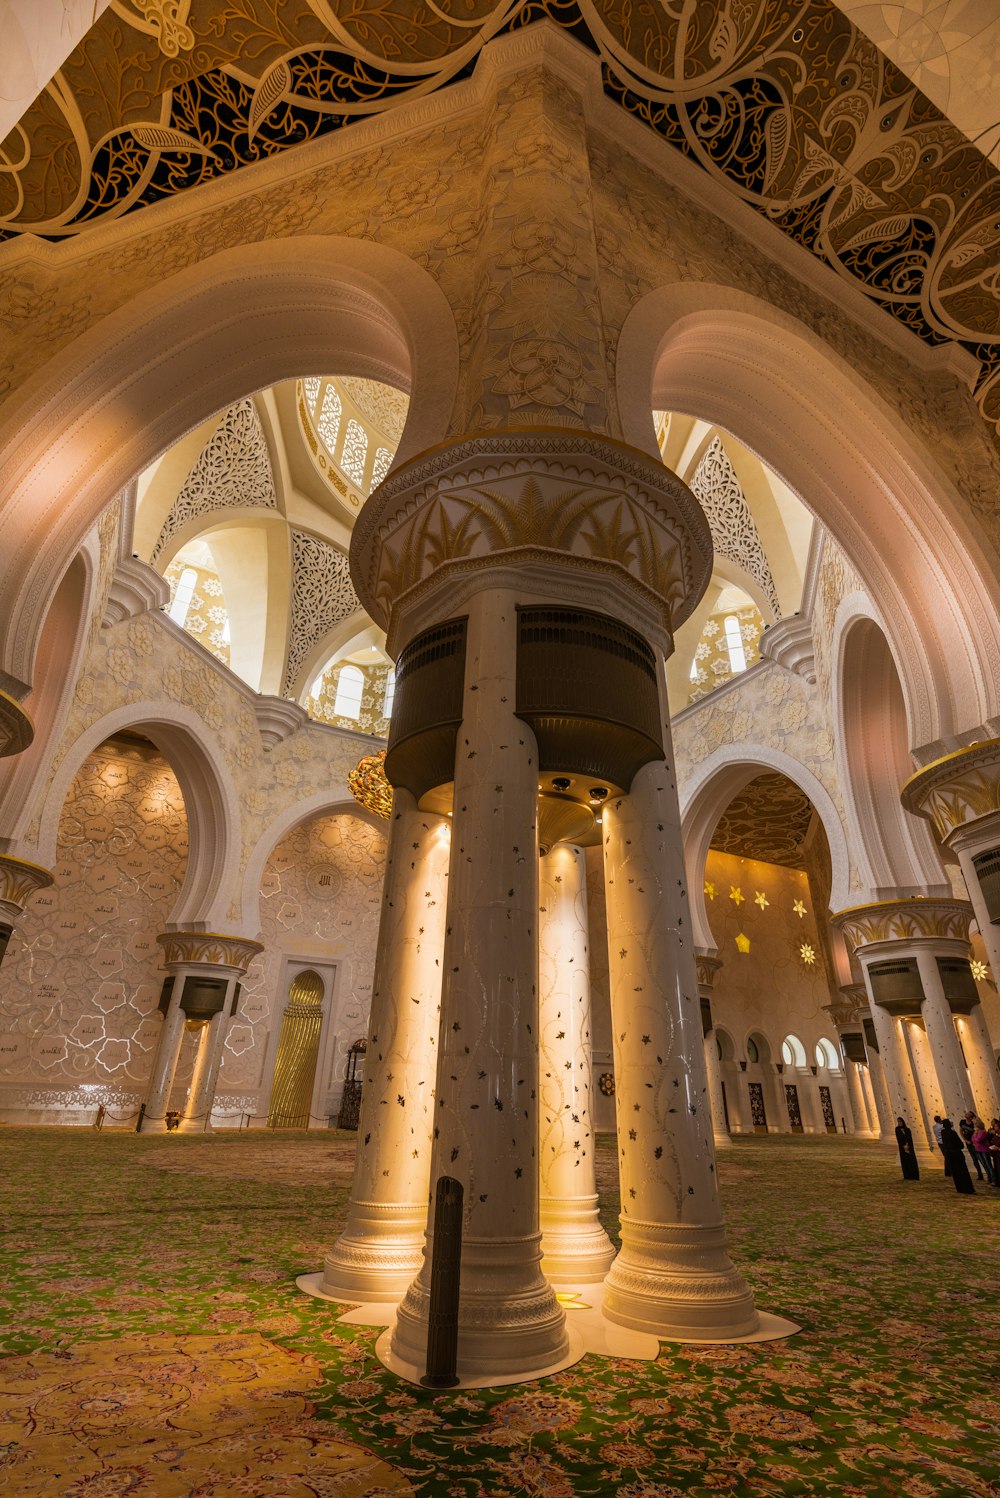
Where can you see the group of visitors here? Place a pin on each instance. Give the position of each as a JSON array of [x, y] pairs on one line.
[[972, 1137]]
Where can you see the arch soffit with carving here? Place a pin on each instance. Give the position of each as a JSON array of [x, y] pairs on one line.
[[704, 798], [127, 389], [894, 849], [753, 370], [335, 801], [211, 804]]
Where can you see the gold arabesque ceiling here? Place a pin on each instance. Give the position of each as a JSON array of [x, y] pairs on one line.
[[786, 101], [768, 820]]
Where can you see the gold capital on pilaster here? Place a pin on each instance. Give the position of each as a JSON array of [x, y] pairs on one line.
[[16, 728], [19, 880], [708, 969], [956, 789], [904, 920], [208, 949]]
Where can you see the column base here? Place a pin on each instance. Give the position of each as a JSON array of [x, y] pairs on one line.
[[678, 1282], [720, 1139], [195, 1126], [378, 1255], [575, 1248], [509, 1321]]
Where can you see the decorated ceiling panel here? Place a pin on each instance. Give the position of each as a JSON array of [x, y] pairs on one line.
[[768, 820], [785, 101]]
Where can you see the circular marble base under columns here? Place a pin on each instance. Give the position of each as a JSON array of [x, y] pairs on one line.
[[378, 1261], [679, 1283], [413, 1372], [509, 1323], [575, 1248]]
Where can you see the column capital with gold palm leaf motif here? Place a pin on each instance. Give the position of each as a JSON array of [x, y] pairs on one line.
[[958, 793], [209, 950], [914, 920], [19, 880]]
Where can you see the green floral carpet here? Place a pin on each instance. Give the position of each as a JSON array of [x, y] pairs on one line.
[[154, 1342]]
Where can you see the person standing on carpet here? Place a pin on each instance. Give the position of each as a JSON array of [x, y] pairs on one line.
[[954, 1155], [907, 1154], [981, 1145], [966, 1127], [938, 1135]]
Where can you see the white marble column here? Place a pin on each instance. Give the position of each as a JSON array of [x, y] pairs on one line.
[[486, 1111], [575, 1248], [880, 1095], [946, 1053], [381, 1247], [168, 1052], [903, 1098], [978, 1048], [197, 1104], [707, 968], [673, 1275], [856, 1098], [929, 1100]]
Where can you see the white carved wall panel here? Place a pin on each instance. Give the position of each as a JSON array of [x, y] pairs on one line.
[[232, 473], [734, 533]]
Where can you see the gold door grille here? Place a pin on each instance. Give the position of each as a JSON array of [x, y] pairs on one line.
[[298, 1053]]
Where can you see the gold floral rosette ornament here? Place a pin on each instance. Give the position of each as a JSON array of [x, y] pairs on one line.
[[369, 785]]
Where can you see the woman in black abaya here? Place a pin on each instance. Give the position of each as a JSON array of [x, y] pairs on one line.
[[953, 1149], [907, 1154]]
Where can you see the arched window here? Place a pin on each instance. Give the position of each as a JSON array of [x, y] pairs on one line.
[[734, 644], [181, 601], [311, 388], [390, 695], [793, 1052], [350, 689], [826, 1055], [380, 467], [328, 423], [753, 1054], [355, 454]]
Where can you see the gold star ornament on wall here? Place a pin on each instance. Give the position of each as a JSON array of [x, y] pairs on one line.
[[799, 908], [807, 954], [979, 970], [761, 899], [736, 895], [743, 943], [709, 890]]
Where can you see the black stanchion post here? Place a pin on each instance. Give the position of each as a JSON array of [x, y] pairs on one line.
[[142, 1114], [446, 1268]]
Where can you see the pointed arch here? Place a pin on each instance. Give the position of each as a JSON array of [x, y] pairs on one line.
[[127, 389], [737, 361]]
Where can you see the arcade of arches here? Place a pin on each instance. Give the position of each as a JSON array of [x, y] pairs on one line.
[[487, 616]]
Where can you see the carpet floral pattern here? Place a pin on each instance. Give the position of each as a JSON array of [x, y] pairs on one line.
[[154, 1343]]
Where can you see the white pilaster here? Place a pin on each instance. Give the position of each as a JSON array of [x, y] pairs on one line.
[[381, 1247], [486, 1112], [673, 1275], [575, 1247]]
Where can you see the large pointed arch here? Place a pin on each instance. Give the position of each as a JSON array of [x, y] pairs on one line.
[[123, 392], [211, 802], [731, 359], [704, 798], [336, 800]]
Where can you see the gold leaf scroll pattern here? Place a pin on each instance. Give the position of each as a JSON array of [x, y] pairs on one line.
[[789, 104], [905, 920], [578, 520]]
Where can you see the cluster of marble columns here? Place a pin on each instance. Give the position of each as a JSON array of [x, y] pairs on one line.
[[199, 994], [932, 1041], [478, 1064]]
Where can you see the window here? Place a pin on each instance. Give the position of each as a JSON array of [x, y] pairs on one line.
[[350, 687], [355, 454], [793, 1052], [311, 388], [390, 695], [753, 1054], [181, 601], [734, 644], [826, 1055], [328, 424], [380, 467]]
